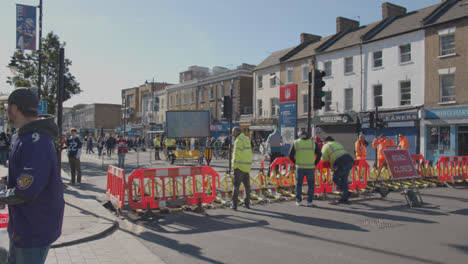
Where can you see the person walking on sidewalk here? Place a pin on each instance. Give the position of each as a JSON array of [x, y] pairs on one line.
[[34, 188], [110, 145], [4, 148], [90, 145], [305, 155], [342, 163], [241, 163], [100, 146], [74, 154], [121, 151]]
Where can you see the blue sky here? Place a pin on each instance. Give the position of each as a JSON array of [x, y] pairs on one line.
[[117, 44]]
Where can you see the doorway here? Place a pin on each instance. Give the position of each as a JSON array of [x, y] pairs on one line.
[[462, 141]]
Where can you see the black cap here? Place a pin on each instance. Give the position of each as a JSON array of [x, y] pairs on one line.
[[25, 99]]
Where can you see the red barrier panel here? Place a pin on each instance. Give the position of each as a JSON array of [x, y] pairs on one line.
[[322, 177], [4, 217], [359, 180], [418, 160], [156, 188], [115, 190], [452, 168], [285, 166]]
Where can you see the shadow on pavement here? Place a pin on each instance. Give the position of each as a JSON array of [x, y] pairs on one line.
[[185, 249], [463, 248], [191, 223], [306, 220], [411, 259]]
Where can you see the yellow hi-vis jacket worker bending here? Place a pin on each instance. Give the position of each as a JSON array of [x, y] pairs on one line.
[[305, 153], [242, 154], [332, 151]]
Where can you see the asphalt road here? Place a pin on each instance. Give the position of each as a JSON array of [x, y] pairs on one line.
[[370, 230]]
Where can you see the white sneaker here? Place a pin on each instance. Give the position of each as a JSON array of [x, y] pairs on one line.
[[298, 203], [310, 204]]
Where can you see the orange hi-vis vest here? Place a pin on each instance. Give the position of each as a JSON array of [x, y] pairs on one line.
[[403, 144], [382, 145], [360, 150]]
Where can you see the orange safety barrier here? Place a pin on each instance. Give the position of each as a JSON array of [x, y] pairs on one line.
[[157, 188], [418, 160], [322, 175], [284, 165], [115, 190], [4, 217], [360, 175], [452, 168]]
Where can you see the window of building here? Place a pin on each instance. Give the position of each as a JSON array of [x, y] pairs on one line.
[[272, 79], [348, 103], [305, 72], [447, 88], [348, 65], [289, 75], [328, 68], [405, 93], [212, 92], [274, 102], [439, 139], [202, 95], [447, 44], [328, 100], [233, 89], [192, 96], [305, 103], [378, 98], [260, 107], [177, 99], [405, 53], [171, 100], [378, 59], [260, 82], [184, 98]]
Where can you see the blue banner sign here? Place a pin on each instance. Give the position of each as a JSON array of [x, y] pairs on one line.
[[25, 27], [446, 113]]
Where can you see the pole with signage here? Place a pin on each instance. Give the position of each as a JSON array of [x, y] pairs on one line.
[[230, 127], [288, 116]]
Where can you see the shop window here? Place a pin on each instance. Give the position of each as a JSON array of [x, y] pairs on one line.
[[439, 139]]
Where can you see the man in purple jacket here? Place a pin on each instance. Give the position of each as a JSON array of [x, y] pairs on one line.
[[34, 189]]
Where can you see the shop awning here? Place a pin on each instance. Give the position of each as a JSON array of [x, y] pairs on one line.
[[262, 128]]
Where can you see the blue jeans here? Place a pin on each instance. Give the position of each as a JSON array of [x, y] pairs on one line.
[[27, 255], [342, 167], [121, 160], [309, 173]]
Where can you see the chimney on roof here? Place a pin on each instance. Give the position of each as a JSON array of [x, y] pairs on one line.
[[389, 10], [343, 24], [309, 37]]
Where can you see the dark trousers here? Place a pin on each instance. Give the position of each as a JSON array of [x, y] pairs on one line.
[[75, 168], [241, 177], [156, 153], [342, 167], [109, 152], [274, 155]]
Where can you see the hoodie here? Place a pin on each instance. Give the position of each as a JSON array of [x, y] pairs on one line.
[[34, 175]]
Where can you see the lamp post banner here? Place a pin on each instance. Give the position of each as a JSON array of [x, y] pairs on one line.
[[25, 27], [288, 116]]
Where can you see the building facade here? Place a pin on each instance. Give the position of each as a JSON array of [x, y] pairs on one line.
[[92, 119]]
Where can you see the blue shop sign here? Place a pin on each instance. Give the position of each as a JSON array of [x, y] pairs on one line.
[[446, 113]]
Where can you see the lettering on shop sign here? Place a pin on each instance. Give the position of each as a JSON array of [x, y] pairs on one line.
[[460, 112]]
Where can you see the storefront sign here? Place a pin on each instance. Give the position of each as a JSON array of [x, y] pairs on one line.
[[446, 113], [288, 116], [400, 164], [389, 117], [342, 119]]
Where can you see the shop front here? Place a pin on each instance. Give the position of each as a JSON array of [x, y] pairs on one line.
[[446, 132], [406, 122], [342, 127]]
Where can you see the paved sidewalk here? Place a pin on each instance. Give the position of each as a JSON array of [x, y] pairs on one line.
[[90, 233]]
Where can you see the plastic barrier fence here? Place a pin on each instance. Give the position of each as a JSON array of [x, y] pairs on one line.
[[4, 217], [156, 188], [115, 190], [418, 160], [359, 177], [360, 174], [452, 168], [285, 175]]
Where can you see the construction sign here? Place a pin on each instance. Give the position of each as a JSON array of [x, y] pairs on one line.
[[400, 164]]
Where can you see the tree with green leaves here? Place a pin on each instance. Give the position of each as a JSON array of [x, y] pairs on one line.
[[27, 71]]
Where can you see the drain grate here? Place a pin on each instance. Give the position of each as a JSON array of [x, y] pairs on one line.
[[380, 223]]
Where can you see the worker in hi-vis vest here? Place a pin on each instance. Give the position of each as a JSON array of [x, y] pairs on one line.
[[402, 142], [305, 154], [360, 147], [342, 163], [241, 163], [157, 147]]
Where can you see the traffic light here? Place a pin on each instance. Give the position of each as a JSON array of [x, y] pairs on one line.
[[371, 119], [318, 89], [226, 106], [156, 104], [379, 123]]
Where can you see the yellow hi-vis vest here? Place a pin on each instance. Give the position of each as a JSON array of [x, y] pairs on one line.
[[242, 154], [305, 153], [332, 151], [169, 142], [156, 142]]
